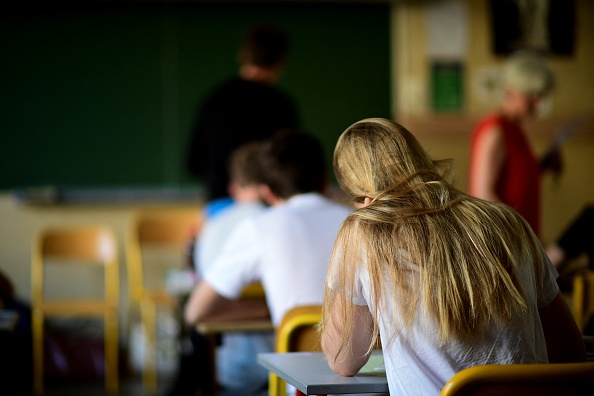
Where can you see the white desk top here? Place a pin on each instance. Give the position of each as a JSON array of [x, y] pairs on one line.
[[309, 372]]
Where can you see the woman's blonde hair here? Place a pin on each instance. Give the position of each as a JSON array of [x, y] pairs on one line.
[[466, 251]]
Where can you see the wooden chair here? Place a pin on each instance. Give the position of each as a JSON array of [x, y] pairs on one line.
[[558, 379], [94, 245], [296, 333], [583, 297], [168, 229]]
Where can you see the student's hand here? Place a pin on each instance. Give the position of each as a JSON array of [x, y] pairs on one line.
[[203, 301]]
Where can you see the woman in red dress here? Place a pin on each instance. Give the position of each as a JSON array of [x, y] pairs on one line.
[[503, 167]]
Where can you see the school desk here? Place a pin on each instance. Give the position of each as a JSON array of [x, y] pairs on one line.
[[310, 374], [243, 315]]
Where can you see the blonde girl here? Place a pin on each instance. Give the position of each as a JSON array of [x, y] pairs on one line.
[[445, 281]]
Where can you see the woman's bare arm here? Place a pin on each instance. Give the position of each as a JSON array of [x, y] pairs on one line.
[[349, 362], [487, 162]]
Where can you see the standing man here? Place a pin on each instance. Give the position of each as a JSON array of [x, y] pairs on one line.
[[244, 108]]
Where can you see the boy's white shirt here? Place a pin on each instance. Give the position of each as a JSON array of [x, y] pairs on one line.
[[286, 247]]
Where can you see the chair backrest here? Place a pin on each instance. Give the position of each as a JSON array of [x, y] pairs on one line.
[[583, 297], [253, 290], [77, 245], [95, 244], [297, 331], [523, 379], [169, 228]]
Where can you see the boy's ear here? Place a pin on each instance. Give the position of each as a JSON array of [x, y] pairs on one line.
[[232, 188], [268, 196]]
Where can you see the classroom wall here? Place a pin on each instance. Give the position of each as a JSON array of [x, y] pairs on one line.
[[444, 135], [104, 94], [98, 99], [414, 51]]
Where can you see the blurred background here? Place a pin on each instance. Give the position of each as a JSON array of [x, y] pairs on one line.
[[98, 97]]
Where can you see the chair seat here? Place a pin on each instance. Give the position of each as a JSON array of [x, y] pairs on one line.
[[79, 307]]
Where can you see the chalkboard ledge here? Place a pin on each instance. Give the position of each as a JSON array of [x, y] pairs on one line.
[[46, 196]]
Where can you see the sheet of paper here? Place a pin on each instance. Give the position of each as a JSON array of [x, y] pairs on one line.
[[374, 366]]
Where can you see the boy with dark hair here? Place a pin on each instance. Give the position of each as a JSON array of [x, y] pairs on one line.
[[285, 247]]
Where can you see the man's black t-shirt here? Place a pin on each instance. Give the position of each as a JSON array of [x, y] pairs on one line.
[[236, 112]]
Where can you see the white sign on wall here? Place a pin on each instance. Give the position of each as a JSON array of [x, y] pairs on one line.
[[447, 30]]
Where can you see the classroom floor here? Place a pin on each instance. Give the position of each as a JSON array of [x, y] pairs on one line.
[[128, 387]]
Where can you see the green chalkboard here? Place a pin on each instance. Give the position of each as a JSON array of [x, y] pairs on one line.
[[103, 94]]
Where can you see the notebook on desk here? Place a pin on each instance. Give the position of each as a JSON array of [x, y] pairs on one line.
[[374, 366]]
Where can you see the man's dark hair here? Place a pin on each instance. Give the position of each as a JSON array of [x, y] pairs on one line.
[[264, 46], [244, 164], [293, 162]]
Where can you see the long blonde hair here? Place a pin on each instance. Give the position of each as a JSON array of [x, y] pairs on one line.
[[466, 251]]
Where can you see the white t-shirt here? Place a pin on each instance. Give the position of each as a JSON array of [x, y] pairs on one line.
[[286, 247], [216, 231], [415, 362], [236, 365]]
